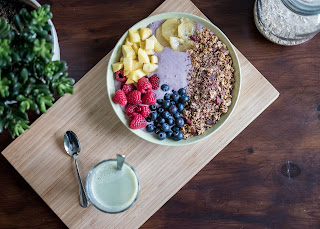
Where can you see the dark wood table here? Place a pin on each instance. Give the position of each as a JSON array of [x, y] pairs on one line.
[[247, 184]]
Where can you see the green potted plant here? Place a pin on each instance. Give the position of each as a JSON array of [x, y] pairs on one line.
[[29, 76]]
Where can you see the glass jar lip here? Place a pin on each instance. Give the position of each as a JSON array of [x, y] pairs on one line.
[[91, 199], [303, 7]]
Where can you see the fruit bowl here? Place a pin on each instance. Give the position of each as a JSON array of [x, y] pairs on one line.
[[235, 92]]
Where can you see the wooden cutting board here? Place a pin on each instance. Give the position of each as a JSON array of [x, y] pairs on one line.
[[38, 155]]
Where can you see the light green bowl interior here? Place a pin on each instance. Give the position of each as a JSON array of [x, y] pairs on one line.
[[235, 93]]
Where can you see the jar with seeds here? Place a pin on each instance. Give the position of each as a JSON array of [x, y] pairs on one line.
[[287, 22]]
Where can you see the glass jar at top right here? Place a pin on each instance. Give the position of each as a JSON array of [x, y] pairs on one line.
[[287, 22]]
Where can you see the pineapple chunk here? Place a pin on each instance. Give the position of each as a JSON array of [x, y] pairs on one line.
[[143, 56], [128, 42], [127, 51], [121, 59], [147, 68], [157, 46], [135, 47], [129, 81], [134, 36], [142, 44], [140, 73], [153, 59], [133, 75], [126, 72], [136, 65], [149, 44], [117, 66], [149, 51], [144, 33], [127, 63]]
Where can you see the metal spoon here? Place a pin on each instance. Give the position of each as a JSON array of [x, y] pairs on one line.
[[73, 148], [120, 161]]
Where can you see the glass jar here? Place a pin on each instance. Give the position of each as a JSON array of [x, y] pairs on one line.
[[287, 22]]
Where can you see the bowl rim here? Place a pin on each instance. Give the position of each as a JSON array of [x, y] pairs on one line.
[[235, 63]]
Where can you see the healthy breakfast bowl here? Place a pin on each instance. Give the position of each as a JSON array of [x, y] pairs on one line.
[[173, 79]]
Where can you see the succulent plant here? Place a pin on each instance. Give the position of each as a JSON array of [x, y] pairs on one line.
[[28, 76]]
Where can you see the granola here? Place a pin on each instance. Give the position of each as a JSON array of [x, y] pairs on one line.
[[210, 83]]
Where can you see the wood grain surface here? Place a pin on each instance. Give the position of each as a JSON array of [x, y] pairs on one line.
[[243, 186]]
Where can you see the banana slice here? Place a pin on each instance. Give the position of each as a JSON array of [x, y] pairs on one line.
[[170, 28], [160, 38], [174, 43], [186, 29], [184, 20], [178, 44]]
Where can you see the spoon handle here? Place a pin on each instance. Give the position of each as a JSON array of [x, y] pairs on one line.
[[83, 196]]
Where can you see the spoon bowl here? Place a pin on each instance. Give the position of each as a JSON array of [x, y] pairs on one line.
[[71, 143]]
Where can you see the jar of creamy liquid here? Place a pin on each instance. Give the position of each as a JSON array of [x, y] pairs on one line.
[[287, 22]]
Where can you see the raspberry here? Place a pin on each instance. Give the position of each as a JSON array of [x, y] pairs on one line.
[[144, 85], [127, 88], [120, 76], [138, 109], [138, 121], [131, 116], [145, 111], [134, 97], [154, 80], [149, 98], [130, 108], [120, 98]]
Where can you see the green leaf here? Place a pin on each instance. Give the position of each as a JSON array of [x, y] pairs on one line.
[[5, 52]]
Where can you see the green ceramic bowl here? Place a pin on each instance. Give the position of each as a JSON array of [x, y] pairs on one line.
[[235, 93]]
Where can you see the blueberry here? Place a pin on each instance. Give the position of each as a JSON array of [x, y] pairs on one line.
[[160, 110], [157, 130], [170, 121], [175, 128], [167, 96], [160, 101], [162, 135], [165, 87], [155, 123], [179, 122], [154, 115], [182, 91], [165, 127], [177, 135], [175, 97], [150, 128], [153, 107], [173, 103], [169, 134], [148, 119], [173, 91], [166, 104], [176, 115], [161, 120], [180, 107], [184, 99], [173, 109], [165, 114]]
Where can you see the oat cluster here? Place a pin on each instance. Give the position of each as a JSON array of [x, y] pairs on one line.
[[211, 81]]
